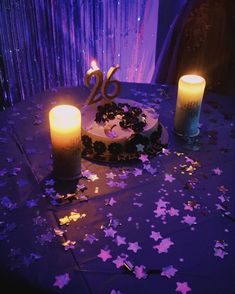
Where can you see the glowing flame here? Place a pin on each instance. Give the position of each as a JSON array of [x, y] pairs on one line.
[[192, 79], [94, 65]]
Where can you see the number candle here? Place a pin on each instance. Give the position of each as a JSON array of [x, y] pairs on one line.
[[97, 73], [65, 130], [189, 98]]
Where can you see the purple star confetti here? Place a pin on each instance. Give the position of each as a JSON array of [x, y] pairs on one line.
[[109, 232], [217, 171], [119, 261], [133, 246], [137, 172], [155, 236], [169, 178], [164, 245], [120, 240], [115, 292], [104, 255], [90, 238], [182, 287], [111, 201], [144, 158], [169, 271], [139, 272], [61, 280], [188, 219]]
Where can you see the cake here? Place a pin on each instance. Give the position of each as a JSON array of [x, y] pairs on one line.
[[121, 131]]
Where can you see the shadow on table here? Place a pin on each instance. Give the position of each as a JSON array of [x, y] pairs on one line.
[[14, 282]]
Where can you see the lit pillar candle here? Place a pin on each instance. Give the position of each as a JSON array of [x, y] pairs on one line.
[[65, 130], [188, 106]]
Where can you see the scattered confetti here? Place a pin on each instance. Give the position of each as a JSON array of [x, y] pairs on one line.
[[90, 238], [139, 272], [164, 245], [104, 255], [169, 178], [62, 280], [110, 201], [133, 246], [169, 271], [182, 287]]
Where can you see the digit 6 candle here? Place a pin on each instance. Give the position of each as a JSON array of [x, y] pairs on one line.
[[65, 130], [189, 98]]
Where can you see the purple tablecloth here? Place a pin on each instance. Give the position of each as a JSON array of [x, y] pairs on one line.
[[170, 218]]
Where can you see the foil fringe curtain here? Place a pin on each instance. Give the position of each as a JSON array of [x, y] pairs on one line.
[[50, 43]]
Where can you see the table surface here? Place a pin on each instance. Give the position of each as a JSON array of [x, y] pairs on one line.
[[172, 218]]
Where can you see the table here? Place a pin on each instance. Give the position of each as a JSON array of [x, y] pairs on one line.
[[171, 220]]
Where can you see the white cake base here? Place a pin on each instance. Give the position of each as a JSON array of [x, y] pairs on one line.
[[109, 142]]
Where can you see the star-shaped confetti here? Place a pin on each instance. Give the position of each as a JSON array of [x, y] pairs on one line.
[[144, 158], [64, 220], [217, 171], [90, 176], [90, 238], [120, 240], [150, 169], [169, 271], [161, 203], [121, 184], [119, 261], [109, 232], [190, 220], [59, 232], [61, 280], [139, 272], [110, 175], [133, 246], [173, 211], [140, 147], [115, 292], [137, 172], [50, 182], [183, 287], [69, 245], [220, 252], [165, 151], [155, 236], [164, 245], [111, 201], [222, 189], [104, 255], [160, 211], [169, 178]]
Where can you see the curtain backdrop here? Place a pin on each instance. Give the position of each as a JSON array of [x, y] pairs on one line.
[[50, 43], [201, 40]]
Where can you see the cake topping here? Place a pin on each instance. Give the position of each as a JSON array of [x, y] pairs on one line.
[[131, 117]]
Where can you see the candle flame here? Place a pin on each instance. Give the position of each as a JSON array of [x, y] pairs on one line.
[[94, 65]]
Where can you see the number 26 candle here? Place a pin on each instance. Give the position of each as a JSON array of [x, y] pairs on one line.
[[188, 106], [65, 130]]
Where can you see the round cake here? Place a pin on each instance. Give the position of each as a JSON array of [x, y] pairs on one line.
[[121, 131]]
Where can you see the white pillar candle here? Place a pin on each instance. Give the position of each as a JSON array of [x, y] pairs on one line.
[[188, 106], [65, 130]]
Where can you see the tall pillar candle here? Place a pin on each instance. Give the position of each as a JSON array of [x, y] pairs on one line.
[[188, 106], [65, 130]]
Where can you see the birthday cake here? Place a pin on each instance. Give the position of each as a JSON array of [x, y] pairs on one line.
[[121, 131]]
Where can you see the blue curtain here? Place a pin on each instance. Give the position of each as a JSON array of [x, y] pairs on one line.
[[50, 43]]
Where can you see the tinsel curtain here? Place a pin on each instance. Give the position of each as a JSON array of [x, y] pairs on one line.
[[50, 43]]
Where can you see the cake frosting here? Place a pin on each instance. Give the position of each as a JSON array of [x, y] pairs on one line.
[[121, 131]]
